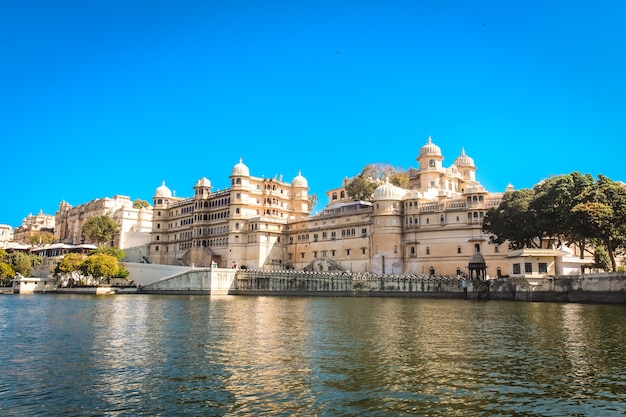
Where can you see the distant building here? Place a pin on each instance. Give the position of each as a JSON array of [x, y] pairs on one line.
[[135, 224], [31, 224], [433, 227], [6, 235]]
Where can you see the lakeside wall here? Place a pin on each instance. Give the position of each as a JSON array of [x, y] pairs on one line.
[[592, 288]]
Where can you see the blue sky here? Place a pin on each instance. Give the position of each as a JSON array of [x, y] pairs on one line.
[[99, 98]]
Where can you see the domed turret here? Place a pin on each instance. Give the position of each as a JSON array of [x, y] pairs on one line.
[[163, 191], [203, 183], [240, 170], [388, 191], [299, 181], [430, 149], [464, 160]]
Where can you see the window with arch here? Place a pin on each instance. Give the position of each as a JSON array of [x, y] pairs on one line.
[[427, 250], [431, 163]]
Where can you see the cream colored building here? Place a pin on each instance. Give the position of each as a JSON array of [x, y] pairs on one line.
[[432, 228], [6, 235], [135, 225], [39, 223]]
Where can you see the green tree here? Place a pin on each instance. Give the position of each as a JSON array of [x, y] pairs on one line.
[[513, 221], [601, 258], [23, 263], [110, 250], [40, 238], [138, 204], [70, 263], [6, 274], [100, 229], [312, 201], [363, 185], [100, 266]]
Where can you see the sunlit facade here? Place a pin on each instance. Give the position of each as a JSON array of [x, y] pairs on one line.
[[432, 227]]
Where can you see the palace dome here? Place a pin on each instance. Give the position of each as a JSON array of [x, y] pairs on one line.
[[163, 191], [299, 181], [388, 191], [203, 183], [430, 149], [477, 258], [464, 160], [240, 170]]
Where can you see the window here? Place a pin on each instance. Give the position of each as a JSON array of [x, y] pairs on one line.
[[427, 250], [458, 249], [528, 267], [543, 268], [516, 269], [363, 251], [347, 252], [496, 249], [431, 163], [315, 254]]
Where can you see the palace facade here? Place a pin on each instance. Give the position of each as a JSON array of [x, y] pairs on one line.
[[135, 224], [432, 227]]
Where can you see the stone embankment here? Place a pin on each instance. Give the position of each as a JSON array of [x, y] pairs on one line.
[[593, 288], [249, 282]]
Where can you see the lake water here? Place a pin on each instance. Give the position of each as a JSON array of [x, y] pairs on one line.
[[151, 355]]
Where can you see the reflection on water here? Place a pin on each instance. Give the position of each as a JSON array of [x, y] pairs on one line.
[[195, 355]]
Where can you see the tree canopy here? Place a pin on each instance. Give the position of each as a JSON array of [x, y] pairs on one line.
[[363, 185], [100, 229], [17, 262], [573, 208], [40, 238], [138, 203]]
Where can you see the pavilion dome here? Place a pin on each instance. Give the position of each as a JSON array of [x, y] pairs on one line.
[[388, 191], [163, 191], [463, 160], [203, 183], [477, 258], [240, 170], [299, 181], [430, 149]]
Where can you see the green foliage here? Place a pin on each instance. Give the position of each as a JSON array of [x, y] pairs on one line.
[[138, 204], [22, 263], [513, 221], [312, 201], [99, 266], [40, 238], [363, 185], [100, 229], [571, 207], [7, 273], [70, 263], [122, 273], [601, 258], [110, 250]]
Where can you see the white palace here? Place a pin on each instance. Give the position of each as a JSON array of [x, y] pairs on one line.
[[433, 227]]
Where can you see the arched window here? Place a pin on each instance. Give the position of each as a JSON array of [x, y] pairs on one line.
[[431, 163]]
